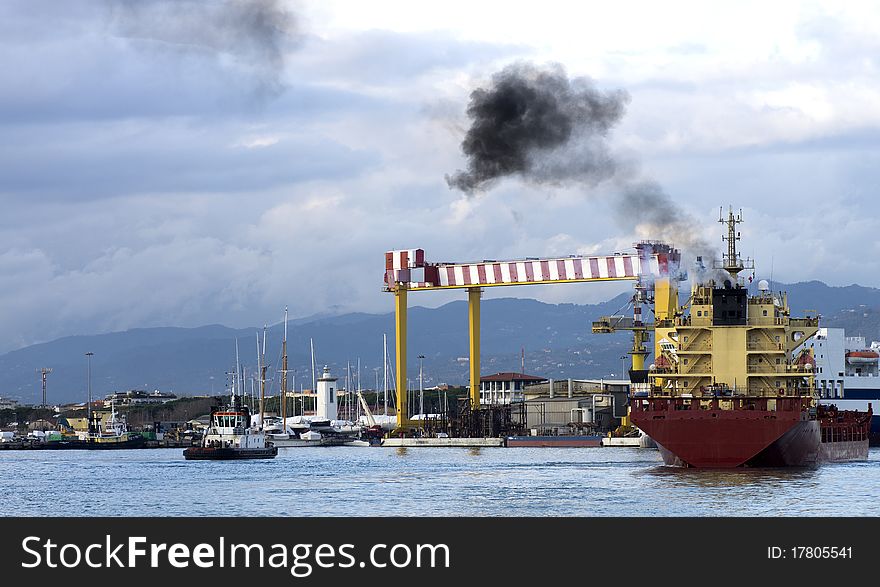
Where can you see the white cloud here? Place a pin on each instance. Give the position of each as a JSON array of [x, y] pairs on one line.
[[149, 187]]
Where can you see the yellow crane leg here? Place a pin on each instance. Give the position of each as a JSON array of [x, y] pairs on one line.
[[474, 331], [400, 354], [638, 363]]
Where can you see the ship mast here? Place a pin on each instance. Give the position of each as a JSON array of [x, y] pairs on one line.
[[261, 358], [385, 364], [237, 377], [731, 262], [284, 376]]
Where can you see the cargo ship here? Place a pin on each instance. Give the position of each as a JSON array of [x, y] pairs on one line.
[[732, 383], [847, 374]]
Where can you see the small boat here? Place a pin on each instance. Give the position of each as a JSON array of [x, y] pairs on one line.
[[231, 436], [99, 435], [866, 357], [111, 434]]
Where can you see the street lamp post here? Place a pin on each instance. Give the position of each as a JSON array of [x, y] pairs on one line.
[[421, 389], [89, 387]]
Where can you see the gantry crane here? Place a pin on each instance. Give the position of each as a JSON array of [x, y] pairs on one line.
[[654, 267]]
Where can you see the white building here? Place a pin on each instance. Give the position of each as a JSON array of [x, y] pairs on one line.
[[504, 388], [8, 404]]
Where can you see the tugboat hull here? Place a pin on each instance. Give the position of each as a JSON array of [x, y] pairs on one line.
[[201, 453]]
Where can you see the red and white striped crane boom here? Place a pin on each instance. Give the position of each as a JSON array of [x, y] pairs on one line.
[[406, 270]]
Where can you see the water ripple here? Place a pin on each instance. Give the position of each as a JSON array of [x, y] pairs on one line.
[[344, 481]]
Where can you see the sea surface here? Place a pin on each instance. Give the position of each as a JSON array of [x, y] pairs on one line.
[[342, 481]]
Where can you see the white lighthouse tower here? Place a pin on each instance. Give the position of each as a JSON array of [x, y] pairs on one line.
[[326, 396]]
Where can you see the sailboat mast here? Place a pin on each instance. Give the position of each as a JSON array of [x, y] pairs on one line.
[[261, 357], [284, 376], [385, 365], [314, 381], [236, 377]]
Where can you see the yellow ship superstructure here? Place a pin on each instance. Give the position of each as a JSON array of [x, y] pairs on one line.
[[732, 383]]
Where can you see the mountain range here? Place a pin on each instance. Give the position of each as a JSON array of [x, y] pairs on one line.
[[550, 340]]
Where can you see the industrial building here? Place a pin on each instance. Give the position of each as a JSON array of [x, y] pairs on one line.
[[575, 405], [505, 388]]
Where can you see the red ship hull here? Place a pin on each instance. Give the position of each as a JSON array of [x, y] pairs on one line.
[[845, 434], [734, 432]]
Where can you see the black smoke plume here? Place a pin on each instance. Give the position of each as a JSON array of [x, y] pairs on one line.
[[540, 125], [646, 206], [251, 34]]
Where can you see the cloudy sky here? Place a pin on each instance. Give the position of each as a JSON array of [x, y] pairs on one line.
[[192, 162]]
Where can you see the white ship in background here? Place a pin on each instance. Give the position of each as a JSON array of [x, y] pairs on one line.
[[848, 373]]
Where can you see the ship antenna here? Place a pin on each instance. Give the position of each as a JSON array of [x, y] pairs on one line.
[[731, 262], [771, 271]]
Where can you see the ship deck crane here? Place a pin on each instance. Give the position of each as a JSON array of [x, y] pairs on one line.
[[406, 270]]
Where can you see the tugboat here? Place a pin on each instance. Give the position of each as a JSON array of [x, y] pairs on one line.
[[112, 434], [232, 436], [99, 435]]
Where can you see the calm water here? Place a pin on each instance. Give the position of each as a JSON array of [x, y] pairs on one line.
[[423, 481]]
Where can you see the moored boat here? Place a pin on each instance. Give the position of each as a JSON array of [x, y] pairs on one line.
[[845, 433], [847, 374], [109, 434]]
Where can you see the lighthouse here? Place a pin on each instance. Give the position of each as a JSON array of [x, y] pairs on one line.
[[326, 396]]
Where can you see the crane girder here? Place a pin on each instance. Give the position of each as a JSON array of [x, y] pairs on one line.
[[407, 269]]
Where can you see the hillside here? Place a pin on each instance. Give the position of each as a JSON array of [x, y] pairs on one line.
[[555, 338]]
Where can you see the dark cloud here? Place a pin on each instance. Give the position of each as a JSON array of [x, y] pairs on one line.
[[253, 34], [537, 123]]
